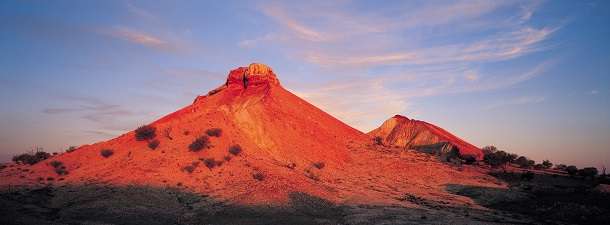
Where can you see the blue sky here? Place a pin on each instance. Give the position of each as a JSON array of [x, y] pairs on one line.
[[531, 77]]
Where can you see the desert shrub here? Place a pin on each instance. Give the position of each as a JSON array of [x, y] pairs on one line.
[[199, 144], [469, 159], [61, 170], [71, 149], [56, 164], [153, 144], [214, 132], [145, 132], [524, 162], [561, 167], [319, 165], [588, 172], [511, 157], [496, 158], [235, 149], [31, 158], [106, 152], [189, 168], [547, 164], [227, 158], [257, 175], [378, 140], [527, 176], [210, 163], [572, 170], [489, 149]]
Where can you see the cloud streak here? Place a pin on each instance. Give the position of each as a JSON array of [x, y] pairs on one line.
[[140, 38], [516, 102]]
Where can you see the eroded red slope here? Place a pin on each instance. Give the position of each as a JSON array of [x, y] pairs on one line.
[[408, 133], [284, 140]]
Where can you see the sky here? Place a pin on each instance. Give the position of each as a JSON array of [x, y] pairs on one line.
[[530, 77]]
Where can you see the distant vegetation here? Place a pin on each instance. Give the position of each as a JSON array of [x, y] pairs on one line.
[[59, 167], [199, 143], [145, 133], [235, 149], [153, 144], [71, 149], [258, 175], [106, 152], [214, 132], [210, 163], [497, 158], [319, 165], [190, 168], [32, 157]]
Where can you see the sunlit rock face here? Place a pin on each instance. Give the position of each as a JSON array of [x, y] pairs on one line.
[[253, 75]]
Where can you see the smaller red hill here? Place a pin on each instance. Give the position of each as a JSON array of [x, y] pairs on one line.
[[408, 133]]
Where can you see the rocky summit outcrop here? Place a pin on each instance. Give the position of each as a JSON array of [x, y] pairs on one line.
[[414, 134], [253, 75]]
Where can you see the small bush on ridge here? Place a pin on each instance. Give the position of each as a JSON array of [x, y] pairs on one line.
[[153, 144], [199, 144], [319, 165], [214, 132], [210, 163], [106, 152], [31, 158], [258, 176], [235, 149], [145, 132]]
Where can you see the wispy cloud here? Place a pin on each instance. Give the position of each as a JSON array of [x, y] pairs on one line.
[[140, 38], [92, 109], [593, 92], [405, 51], [516, 102]]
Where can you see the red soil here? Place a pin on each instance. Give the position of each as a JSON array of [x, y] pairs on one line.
[[408, 133], [276, 130]]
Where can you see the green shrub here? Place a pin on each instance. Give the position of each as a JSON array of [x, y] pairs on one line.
[[588, 172], [214, 132], [572, 170], [189, 168], [71, 149], [199, 144], [106, 152], [235, 149], [61, 170], [56, 164], [31, 158], [145, 132], [319, 165], [210, 163], [153, 144], [258, 175], [547, 164]]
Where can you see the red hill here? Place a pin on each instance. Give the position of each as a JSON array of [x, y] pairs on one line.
[[408, 133], [287, 145]]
